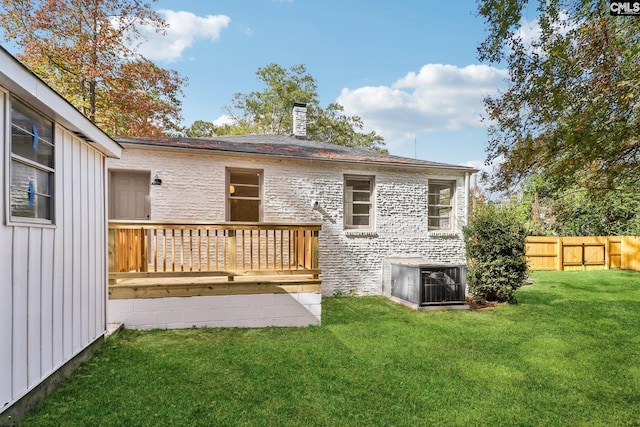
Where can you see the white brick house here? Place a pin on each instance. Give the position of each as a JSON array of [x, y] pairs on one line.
[[372, 206]]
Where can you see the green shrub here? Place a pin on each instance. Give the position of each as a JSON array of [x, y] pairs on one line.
[[494, 240]]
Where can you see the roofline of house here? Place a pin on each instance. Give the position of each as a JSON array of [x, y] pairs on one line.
[[436, 166], [23, 83]]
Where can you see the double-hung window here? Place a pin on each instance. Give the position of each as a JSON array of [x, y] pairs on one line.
[[441, 205], [244, 195], [358, 202], [32, 165]]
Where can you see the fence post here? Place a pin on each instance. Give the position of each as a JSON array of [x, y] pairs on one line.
[[560, 254], [607, 258]]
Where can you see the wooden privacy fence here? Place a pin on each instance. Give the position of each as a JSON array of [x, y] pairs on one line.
[[153, 249], [582, 253]]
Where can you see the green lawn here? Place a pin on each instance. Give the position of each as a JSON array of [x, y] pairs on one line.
[[567, 355]]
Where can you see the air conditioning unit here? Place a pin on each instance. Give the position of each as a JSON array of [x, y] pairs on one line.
[[443, 284], [420, 283]]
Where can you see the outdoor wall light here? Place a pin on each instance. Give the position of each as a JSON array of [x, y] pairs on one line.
[[156, 180]]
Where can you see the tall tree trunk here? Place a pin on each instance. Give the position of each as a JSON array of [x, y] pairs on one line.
[[92, 101]]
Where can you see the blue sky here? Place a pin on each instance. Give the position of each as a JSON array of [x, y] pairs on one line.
[[408, 68]]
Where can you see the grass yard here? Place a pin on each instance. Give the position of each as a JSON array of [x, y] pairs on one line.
[[567, 355]]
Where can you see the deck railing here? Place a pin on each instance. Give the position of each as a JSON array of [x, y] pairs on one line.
[[147, 249]]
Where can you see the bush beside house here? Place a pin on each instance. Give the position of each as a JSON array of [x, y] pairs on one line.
[[495, 244]]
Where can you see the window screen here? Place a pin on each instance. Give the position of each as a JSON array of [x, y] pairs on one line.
[[358, 202], [32, 164], [441, 198], [244, 195]]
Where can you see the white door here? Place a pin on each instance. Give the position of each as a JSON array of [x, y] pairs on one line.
[[129, 198]]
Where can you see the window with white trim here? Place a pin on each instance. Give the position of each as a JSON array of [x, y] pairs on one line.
[[358, 202], [244, 195], [32, 165], [441, 205]]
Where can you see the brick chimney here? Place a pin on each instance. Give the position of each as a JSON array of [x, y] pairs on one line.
[[300, 120]]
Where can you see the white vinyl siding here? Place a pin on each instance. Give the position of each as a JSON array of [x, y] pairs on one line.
[[32, 165], [53, 279], [53, 248], [358, 202], [441, 205]]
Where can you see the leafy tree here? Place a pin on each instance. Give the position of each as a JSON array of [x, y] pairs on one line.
[[142, 101], [201, 129], [572, 111], [204, 129], [270, 111], [80, 48], [495, 242], [334, 126], [573, 211]]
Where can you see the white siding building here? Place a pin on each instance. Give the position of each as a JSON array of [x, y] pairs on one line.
[[53, 261]]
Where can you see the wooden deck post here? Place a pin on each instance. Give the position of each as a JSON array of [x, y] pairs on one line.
[[111, 245], [315, 251]]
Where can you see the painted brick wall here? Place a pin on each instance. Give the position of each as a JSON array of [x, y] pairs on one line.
[[234, 311], [193, 189]]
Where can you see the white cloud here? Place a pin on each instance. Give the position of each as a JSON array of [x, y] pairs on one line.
[[184, 28], [437, 98], [224, 119], [529, 31]]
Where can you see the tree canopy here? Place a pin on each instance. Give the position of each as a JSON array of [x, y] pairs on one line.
[[83, 50], [269, 111], [573, 211], [572, 111]]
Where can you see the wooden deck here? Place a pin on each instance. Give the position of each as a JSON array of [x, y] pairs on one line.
[[212, 285], [157, 260]]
